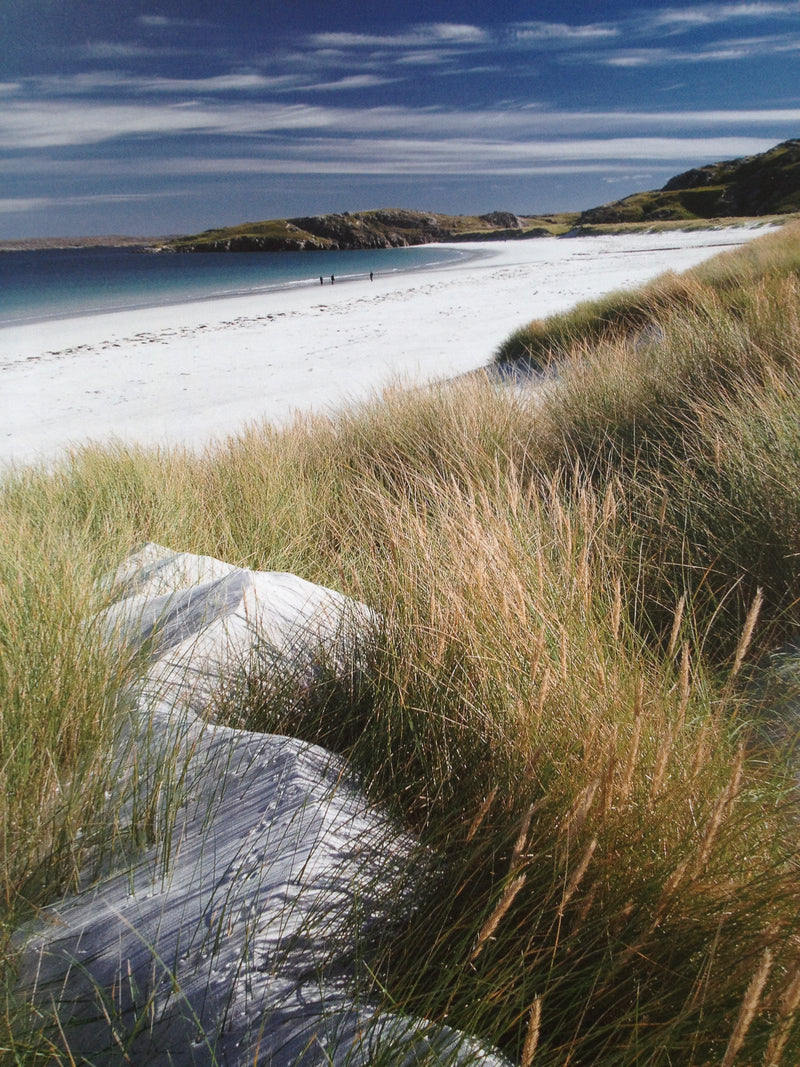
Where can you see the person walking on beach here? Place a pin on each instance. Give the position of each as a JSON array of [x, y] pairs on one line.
[[332, 279], [370, 275], [320, 280]]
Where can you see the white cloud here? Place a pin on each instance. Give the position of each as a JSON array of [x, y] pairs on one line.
[[354, 81], [388, 160], [10, 205], [22, 205], [77, 84], [52, 124], [427, 57], [485, 156], [97, 81], [628, 176], [560, 31], [423, 35], [220, 83], [530, 121], [720, 52], [165, 22], [713, 14], [432, 37], [243, 82], [39, 125], [353, 154], [456, 33], [112, 50]]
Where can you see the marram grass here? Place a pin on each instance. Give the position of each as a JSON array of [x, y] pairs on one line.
[[578, 590]]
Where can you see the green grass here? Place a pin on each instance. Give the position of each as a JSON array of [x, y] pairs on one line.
[[578, 590]]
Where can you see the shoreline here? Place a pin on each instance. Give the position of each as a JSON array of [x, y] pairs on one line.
[[194, 373], [463, 256]]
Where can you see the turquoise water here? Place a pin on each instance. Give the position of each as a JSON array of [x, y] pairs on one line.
[[46, 284]]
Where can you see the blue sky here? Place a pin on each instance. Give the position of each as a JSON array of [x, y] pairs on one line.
[[170, 116]]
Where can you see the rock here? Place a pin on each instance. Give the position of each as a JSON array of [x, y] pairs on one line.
[[502, 220], [239, 936]]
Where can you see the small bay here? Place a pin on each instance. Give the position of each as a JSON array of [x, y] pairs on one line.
[[55, 283]]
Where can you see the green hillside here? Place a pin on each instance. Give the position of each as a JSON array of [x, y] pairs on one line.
[[766, 184]]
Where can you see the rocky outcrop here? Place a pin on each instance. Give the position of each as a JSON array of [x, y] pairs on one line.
[[502, 220], [253, 243], [237, 936], [347, 231], [382, 228]]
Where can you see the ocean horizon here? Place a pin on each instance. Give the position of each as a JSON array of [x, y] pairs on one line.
[[44, 284]]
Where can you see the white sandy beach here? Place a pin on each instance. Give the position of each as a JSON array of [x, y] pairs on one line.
[[191, 373]]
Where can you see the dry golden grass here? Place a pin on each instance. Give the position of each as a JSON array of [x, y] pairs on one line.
[[563, 698]]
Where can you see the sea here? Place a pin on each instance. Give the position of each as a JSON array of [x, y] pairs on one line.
[[55, 283]]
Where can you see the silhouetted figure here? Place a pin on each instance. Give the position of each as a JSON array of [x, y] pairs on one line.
[[370, 275], [320, 280], [332, 279]]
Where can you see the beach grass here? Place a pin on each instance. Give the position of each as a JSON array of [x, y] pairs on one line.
[[580, 695]]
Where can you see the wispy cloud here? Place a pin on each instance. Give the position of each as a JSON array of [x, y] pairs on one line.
[[10, 205], [342, 61], [719, 52], [167, 22], [113, 50], [22, 205], [426, 57], [219, 83], [404, 157], [354, 81], [484, 156], [390, 161], [428, 39], [715, 14], [112, 81], [63, 123], [52, 123], [422, 35], [529, 32]]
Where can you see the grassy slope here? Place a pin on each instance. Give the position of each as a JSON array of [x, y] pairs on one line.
[[576, 590], [765, 184]]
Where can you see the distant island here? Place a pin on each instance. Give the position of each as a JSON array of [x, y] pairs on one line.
[[758, 186]]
